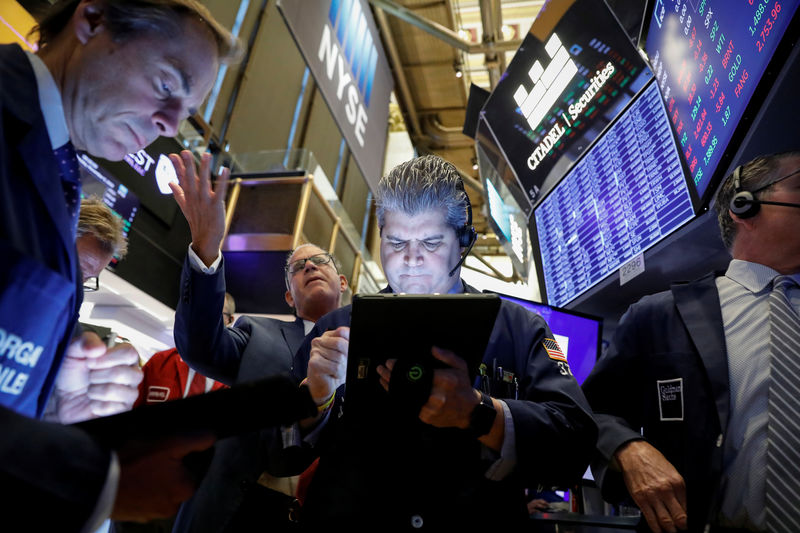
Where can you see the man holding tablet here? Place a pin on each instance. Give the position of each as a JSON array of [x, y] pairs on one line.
[[473, 446]]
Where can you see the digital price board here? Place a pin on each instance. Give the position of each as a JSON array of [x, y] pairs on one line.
[[626, 193], [709, 57]]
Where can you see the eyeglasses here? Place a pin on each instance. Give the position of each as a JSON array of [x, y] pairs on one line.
[[91, 284], [319, 259]]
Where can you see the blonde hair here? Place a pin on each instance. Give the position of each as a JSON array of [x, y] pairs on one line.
[[97, 220]]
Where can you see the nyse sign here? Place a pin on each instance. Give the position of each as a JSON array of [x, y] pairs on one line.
[[341, 46], [336, 69]]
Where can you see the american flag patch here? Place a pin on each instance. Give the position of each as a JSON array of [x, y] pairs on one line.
[[554, 350]]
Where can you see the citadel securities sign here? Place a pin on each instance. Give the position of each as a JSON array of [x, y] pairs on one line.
[[574, 72], [342, 48]]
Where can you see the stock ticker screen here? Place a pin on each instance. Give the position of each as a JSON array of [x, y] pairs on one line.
[[708, 57], [624, 195]]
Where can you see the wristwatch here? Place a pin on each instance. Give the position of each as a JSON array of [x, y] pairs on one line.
[[482, 417]]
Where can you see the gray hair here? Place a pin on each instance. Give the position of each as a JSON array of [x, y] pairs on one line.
[[421, 184], [127, 19], [754, 175]]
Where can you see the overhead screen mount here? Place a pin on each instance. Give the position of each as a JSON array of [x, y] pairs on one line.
[[715, 62], [626, 193]]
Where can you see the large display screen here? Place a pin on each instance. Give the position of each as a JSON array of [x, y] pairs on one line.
[[709, 56], [506, 219], [625, 194], [574, 72], [578, 335]]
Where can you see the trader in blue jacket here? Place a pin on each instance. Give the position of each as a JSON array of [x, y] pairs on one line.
[[477, 447], [254, 348], [109, 77], [684, 397]]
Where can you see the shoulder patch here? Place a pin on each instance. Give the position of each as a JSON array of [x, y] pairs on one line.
[[156, 394], [553, 350]]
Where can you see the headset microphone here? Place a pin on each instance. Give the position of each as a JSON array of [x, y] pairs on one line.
[[466, 253], [466, 234], [744, 204]]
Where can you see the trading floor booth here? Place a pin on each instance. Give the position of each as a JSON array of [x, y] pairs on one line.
[[608, 149]]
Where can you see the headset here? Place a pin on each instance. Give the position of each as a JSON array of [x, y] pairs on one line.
[[744, 204], [466, 234]]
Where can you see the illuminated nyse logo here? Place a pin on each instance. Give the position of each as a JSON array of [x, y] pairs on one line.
[[349, 52], [141, 162], [548, 83]]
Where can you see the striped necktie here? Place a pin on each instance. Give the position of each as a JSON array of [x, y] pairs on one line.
[[70, 181], [783, 434]]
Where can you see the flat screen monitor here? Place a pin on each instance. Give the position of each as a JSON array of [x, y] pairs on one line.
[[574, 72], [507, 220], [710, 58], [96, 181], [628, 192], [578, 335]]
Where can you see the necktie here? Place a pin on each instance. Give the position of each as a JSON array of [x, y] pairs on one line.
[[70, 181], [783, 433]]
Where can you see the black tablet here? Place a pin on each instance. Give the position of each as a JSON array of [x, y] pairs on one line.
[[405, 327]]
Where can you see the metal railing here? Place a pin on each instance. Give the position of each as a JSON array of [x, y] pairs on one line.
[[339, 224]]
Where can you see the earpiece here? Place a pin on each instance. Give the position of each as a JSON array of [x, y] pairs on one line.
[[466, 234], [743, 203]]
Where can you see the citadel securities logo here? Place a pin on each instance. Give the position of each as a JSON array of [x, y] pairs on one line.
[[349, 55], [548, 85]]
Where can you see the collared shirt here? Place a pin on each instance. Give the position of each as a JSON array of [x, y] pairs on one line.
[[50, 103], [744, 300]]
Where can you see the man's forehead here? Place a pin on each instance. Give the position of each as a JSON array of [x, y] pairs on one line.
[[430, 221], [306, 252], [192, 54]]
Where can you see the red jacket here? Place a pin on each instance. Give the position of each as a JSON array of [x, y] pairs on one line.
[[165, 377]]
